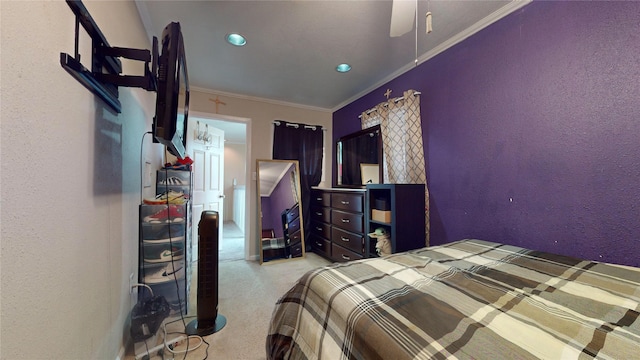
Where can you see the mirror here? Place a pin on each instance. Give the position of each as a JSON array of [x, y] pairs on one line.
[[359, 158], [279, 204]]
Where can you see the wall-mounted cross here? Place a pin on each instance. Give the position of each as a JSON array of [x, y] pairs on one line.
[[218, 102], [388, 93]]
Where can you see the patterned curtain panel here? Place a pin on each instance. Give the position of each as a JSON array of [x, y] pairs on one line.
[[373, 116], [403, 149], [293, 182]]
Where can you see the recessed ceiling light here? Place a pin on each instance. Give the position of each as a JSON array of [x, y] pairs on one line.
[[343, 68], [236, 39]]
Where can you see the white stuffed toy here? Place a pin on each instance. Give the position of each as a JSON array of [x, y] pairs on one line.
[[383, 244]]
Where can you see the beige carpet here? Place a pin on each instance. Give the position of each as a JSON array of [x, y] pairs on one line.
[[232, 245], [247, 295]]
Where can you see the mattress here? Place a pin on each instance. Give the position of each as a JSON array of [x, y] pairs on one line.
[[274, 248], [273, 243], [470, 299]]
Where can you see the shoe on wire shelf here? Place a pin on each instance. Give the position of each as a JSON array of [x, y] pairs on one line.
[[172, 181], [166, 273], [169, 214], [166, 255], [159, 234], [173, 197]]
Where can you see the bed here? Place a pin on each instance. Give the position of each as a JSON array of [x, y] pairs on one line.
[[274, 248], [469, 299]]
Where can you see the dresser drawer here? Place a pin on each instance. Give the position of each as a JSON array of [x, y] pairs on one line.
[[321, 214], [293, 213], [338, 253], [348, 202], [321, 229], [321, 246], [347, 221], [320, 198], [296, 250], [349, 240], [294, 226], [295, 237]]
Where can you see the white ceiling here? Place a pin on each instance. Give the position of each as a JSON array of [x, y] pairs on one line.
[[293, 47], [270, 173]]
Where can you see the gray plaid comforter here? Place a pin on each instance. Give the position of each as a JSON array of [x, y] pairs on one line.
[[469, 299]]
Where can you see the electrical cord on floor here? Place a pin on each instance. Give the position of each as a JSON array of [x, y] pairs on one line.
[[206, 350], [146, 346], [188, 337], [143, 285]]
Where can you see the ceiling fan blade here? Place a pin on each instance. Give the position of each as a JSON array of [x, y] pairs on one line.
[[403, 14]]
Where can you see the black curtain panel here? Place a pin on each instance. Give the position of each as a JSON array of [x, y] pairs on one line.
[[304, 143]]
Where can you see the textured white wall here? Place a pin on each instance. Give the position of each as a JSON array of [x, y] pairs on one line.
[[70, 182], [70, 186]]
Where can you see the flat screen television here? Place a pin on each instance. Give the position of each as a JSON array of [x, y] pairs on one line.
[[172, 101]]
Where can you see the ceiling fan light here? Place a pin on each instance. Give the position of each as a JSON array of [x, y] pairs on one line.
[[343, 68], [236, 39]]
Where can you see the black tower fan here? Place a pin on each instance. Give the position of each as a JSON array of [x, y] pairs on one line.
[[208, 320]]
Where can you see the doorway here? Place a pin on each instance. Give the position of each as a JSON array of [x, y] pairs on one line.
[[234, 227]]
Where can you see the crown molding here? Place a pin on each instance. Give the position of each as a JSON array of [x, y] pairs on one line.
[[259, 99]]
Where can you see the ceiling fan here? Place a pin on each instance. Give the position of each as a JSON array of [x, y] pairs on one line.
[[403, 14]]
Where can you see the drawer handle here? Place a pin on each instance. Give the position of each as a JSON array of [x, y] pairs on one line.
[[319, 199], [346, 257], [318, 244], [318, 213], [344, 202], [318, 228], [344, 238], [345, 220]]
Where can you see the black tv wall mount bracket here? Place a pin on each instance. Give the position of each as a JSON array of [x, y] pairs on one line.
[[104, 77]]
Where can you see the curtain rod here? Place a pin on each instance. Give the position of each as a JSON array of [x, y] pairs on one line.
[[312, 127], [395, 100]]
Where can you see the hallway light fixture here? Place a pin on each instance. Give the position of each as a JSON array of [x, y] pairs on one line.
[[203, 136]]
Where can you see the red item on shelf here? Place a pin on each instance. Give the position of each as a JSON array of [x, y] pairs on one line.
[[186, 161]]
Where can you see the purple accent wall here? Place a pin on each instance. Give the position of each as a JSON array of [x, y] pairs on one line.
[[267, 219], [281, 199], [532, 131]]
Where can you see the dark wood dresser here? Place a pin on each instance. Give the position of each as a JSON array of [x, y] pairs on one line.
[[337, 224], [342, 218]]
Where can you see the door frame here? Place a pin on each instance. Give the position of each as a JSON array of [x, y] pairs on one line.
[[247, 198]]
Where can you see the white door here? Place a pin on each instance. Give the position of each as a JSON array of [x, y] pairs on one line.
[[208, 172]]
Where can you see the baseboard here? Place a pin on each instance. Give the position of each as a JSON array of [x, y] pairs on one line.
[[121, 353]]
